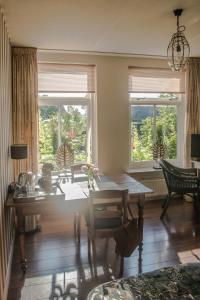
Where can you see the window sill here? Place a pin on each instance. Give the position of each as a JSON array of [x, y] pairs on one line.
[[142, 170], [145, 173]]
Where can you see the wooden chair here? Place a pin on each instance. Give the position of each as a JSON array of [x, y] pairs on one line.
[[179, 181], [77, 175], [105, 223]]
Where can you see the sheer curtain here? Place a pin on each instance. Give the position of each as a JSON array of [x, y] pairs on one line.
[[193, 104], [66, 78], [155, 80], [25, 105]]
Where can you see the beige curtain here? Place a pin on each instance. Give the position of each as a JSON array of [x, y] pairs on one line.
[[193, 104], [25, 105]]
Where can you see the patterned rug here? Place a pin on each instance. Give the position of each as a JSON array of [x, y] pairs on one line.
[[178, 283]]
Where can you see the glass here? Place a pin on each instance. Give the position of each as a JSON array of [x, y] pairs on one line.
[[151, 125], [166, 129], [59, 124], [48, 133], [142, 119], [159, 96], [73, 129]]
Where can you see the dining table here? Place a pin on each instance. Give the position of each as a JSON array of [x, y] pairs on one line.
[[70, 198]]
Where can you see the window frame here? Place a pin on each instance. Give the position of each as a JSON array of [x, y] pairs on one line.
[[89, 101], [179, 102]]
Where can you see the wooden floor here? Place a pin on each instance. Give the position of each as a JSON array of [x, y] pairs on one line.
[[56, 272]]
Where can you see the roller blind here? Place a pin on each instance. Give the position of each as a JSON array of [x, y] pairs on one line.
[[66, 78], [142, 80]]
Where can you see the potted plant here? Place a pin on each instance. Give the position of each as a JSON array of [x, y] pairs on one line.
[[90, 170], [158, 148]]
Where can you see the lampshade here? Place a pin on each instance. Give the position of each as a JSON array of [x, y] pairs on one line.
[[19, 151], [178, 50]]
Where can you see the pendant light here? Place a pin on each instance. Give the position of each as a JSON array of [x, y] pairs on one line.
[[178, 50]]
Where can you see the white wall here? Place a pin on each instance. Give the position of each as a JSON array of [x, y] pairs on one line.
[[112, 102]]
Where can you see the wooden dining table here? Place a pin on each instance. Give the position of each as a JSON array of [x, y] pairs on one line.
[[72, 198]]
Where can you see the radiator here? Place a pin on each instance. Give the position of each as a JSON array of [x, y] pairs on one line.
[[158, 186]]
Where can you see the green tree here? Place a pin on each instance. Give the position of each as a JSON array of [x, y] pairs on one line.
[[73, 129], [165, 129]]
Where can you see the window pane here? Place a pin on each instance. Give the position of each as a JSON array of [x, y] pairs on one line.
[[166, 129], [158, 96], [142, 119], [59, 124], [63, 95], [48, 133], [74, 129], [153, 131]]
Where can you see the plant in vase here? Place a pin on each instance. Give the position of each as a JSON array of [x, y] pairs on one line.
[[158, 148], [90, 170]]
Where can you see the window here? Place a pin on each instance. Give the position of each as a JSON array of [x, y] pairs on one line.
[[66, 94], [156, 98]]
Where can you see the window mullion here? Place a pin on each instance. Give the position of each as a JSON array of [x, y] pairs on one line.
[[59, 125], [154, 124]]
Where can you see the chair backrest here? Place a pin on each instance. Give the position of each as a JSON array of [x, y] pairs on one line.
[[108, 198], [76, 169], [168, 171], [179, 180], [166, 165]]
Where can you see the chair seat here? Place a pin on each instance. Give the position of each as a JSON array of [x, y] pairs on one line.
[[105, 219]]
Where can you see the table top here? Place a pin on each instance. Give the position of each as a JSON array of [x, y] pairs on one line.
[[79, 190], [127, 182]]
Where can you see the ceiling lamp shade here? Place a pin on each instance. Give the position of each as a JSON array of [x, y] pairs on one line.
[[178, 50]]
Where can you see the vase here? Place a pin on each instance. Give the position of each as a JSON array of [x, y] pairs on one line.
[[90, 182], [156, 164]]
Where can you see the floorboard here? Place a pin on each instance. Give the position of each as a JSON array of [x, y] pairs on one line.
[[57, 271]]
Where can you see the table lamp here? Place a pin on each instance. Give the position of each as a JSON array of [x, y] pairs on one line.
[[18, 152]]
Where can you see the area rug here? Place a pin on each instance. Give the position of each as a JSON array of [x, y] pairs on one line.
[[178, 283]]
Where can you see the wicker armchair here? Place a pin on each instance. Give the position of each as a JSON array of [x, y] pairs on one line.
[[179, 181]]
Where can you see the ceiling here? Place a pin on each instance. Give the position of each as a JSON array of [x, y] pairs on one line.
[[141, 27]]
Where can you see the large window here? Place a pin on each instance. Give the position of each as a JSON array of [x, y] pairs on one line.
[[66, 96], [156, 100]]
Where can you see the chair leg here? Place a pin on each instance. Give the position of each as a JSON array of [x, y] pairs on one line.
[[140, 250], [130, 212], [94, 255], [165, 207], [89, 257], [164, 202], [75, 226], [196, 205], [89, 248], [121, 269], [78, 227]]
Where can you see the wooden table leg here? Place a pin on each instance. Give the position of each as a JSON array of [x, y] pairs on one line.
[[141, 207], [140, 248], [130, 212], [21, 236]]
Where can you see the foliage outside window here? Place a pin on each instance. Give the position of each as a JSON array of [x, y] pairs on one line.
[[153, 124], [61, 124]]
